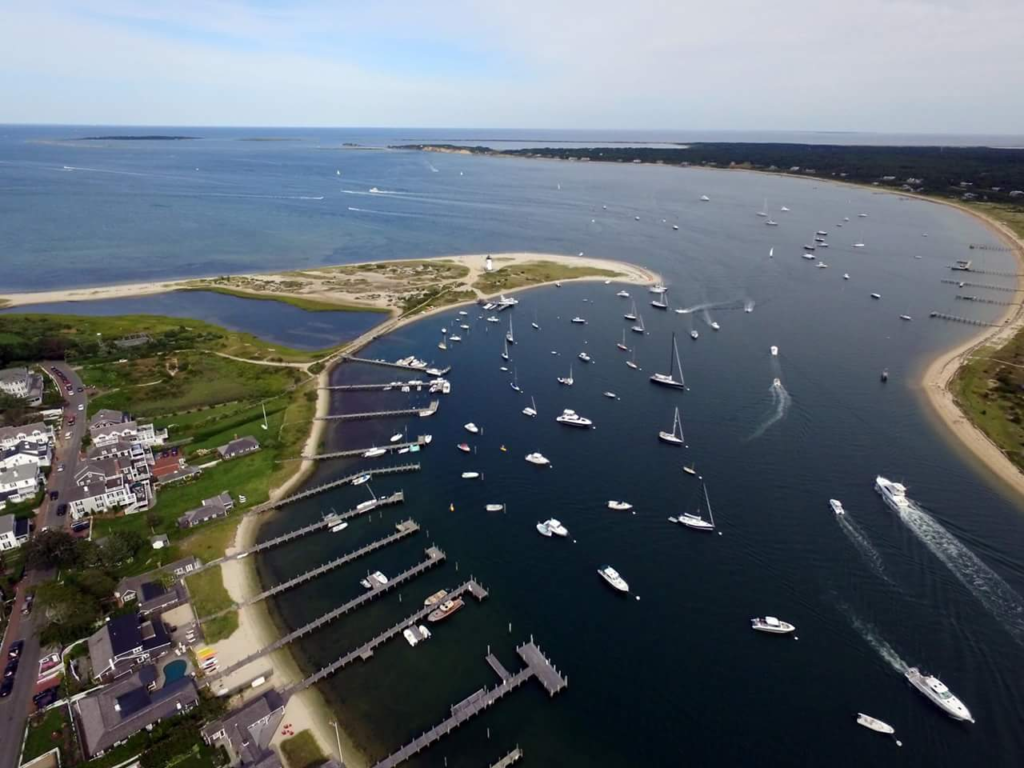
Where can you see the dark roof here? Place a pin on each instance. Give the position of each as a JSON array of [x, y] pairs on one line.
[[124, 633], [251, 728], [133, 701], [151, 589]]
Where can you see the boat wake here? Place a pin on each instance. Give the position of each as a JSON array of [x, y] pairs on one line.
[[748, 305], [780, 406], [863, 545], [875, 640], [432, 168], [981, 581], [386, 213]]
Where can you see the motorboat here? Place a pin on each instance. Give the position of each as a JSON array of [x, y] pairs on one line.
[[570, 418], [675, 437], [416, 635], [470, 475], [690, 470], [361, 479], [464, 447], [893, 494], [374, 580], [675, 227], [809, 247], [472, 428], [939, 694], [446, 609], [776, 382], [783, 208], [613, 578], [846, 275], [453, 337], [620, 506], [531, 409], [821, 265], [584, 357], [809, 256], [623, 294], [657, 288], [876, 725], [715, 326], [610, 395], [821, 233], [395, 437], [772, 625], [495, 507], [339, 527], [885, 375], [668, 379], [876, 295], [538, 458], [493, 319], [858, 245], [775, 351], [374, 453], [771, 223], [837, 506], [578, 321], [556, 527], [905, 317], [544, 530], [860, 216], [694, 335], [704, 198], [435, 598]]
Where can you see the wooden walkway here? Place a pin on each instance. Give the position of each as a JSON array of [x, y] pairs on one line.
[[510, 759], [956, 319], [435, 557], [365, 651], [430, 410], [965, 284], [267, 506], [405, 528], [537, 665], [979, 300], [370, 387], [421, 441], [428, 370]]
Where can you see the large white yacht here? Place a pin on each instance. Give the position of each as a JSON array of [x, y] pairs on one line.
[[620, 506], [610, 575], [556, 527], [893, 494], [772, 625], [940, 695], [570, 418], [538, 458]]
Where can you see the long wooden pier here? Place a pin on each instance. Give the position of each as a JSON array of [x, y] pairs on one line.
[[371, 387], [365, 651], [537, 665], [979, 300], [435, 557], [428, 370], [404, 528], [965, 284], [267, 506], [956, 319], [511, 758], [430, 410], [421, 441]]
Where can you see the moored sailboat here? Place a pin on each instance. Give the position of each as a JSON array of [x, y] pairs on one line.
[[675, 437], [668, 379]]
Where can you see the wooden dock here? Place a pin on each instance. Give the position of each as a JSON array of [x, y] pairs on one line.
[[267, 506], [428, 370], [435, 557], [965, 284], [979, 300], [365, 651], [430, 410], [511, 758], [421, 441], [404, 529], [956, 319], [537, 665]]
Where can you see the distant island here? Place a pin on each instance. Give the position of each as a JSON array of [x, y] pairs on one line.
[[152, 137]]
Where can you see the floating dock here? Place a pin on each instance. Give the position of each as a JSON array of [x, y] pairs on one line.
[[372, 387], [537, 665], [430, 410], [421, 441], [435, 557], [510, 759], [269, 505], [428, 370]]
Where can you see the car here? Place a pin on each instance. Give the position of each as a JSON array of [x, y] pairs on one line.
[[5, 688], [54, 495], [45, 698], [26, 609], [11, 669], [62, 509], [81, 389], [15, 650], [81, 406], [67, 435], [60, 467]]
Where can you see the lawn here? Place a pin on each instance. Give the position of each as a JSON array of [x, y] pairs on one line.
[[41, 733], [211, 540], [534, 272], [302, 751], [221, 627], [990, 393], [207, 591], [310, 305], [1010, 215]]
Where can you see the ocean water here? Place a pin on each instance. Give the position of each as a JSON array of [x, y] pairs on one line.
[[678, 676]]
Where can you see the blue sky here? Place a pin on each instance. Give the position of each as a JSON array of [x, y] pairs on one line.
[[883, 65]]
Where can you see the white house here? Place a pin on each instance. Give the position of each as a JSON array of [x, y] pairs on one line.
[[18, 382], [102, 496], [105, 433], [25, 453], [37, 432], [9, 538], [18, 484]]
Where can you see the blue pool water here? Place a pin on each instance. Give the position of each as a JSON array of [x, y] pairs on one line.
[[175, 671]]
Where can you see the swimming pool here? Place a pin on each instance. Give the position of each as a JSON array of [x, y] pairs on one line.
[[175, 671]]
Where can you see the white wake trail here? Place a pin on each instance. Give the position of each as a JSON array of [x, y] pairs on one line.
[[876, 641], [863, 545], [780, 405]]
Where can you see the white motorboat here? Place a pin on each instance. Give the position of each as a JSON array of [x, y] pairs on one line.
[[464, 447], [657, 288], [846, 275], [538, 458], [783, 208], [396, 437], [876, 295], [631, 315], [543, 530], [772, 625], [610, 395], [715, 326], [622, 344], [470, 475], [771, 223], [623, 294], [859, 216], [556, 527], [775, 351], [893, 494], [361, 479], [821, 233], [441, 345], [613, 578], [620, 506], [374, 453], [578, 321], [339, 527], [374, 580], [694, 335], [874, 724], [690, 470], [939, 694], [463, 313], [416, 635], [454, 338], [704, 198], [695, 520], [566, 380], [837, 506], [858, 245], [821, 265], [493, 319], [472, 428], [675, 227], [675, 437], [531, 409], [668, 379], [809, 247], [495, 507], [905, 317], [570, 418]]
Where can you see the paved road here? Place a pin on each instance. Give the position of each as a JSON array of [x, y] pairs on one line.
[[14, 710], [69, 443]]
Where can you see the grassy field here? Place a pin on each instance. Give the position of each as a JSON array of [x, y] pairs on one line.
[[41, 733], [1012, 216], [207, 591], [989, 390], [302, 751], [310, 305], [221, 627], [532, 273]]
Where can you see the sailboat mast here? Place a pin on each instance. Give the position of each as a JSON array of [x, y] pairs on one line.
[[711, 516], [679, 365]]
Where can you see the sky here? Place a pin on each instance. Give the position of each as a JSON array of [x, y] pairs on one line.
[[929, 66]]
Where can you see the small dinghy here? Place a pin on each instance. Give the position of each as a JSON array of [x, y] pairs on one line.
[[464, 447], [495, 507], [470, 475]]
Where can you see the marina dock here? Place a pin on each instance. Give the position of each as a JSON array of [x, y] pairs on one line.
[[405, 528], [421, 441], [435, 557], [269, 505], [365, 651], [430, 370], [979, 300], [956, 319], [510, 759], [371, 387], [537, 665], [430, 410], [965, 284]]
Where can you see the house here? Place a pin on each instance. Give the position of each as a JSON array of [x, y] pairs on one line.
[[103, 496], [19, 483], [26, 452], [19, 382], [132, 340], [13, 532], [246, 733], [125, 642], [149, 590], [169, 467], [109, 715], [238, 447], [217, 506], [37, 432], [108, 426], [117, 475]]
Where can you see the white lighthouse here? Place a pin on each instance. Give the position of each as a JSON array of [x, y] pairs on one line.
[[488, 264]]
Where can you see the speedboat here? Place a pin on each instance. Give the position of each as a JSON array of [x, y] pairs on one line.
[[472, 428], [416, 635], [874, 724], [809, 256], [846, 275], [453, 337], [610, 575], [876, 295], [772, 625], [893, 494], [704, 198], [396, 437], [904, 317], [446, 609], [570, 418], [374, 453], [584, 357], [361, 479], [775, 351], [623, 294], [544, 530], [694, 335], [620, 506], [556, 527], [538, 458], [940, 695], [464, 447], [858, 245], [578, 321], [715, 326], [339, 527], [837, 506], [470, 475], [610, 395]]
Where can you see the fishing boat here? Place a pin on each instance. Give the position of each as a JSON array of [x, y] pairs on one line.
[[619, 506], [543, 530], [361, 479], [509, 337], [570, 418], [578, 321], [675, 437], [495, 507], [937, 692], [631, 315], [471, 428], [464, 447], [613, 578], [531, 409], [622, 344], [504, 354], [632, 363], [695, 520], [771, 625], [584, 357], [435, 598], [639, 327], [470, 475], [538, 458], [446, 609], [668, 379], [837, 506], [566, 380]]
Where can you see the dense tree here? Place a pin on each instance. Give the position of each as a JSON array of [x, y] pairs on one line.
[[52, 549], [70, 612]]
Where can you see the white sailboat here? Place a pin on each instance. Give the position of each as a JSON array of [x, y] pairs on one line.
[[668, 379], [661, 302], [567, 380], [504, 354], [531, 409], [639, 327], [515, 381], [675, 437], [442, 345], [622, 344], [534, 323], [509, 337], [631, 315], [764, 209], [632, 363], [695, 520]]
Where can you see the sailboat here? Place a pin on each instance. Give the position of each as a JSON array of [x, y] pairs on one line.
[[675, 437], [764, 209], [442, 345], [660, 302], [515, 381], [622, 344], [531, 409], [534, 323], [632, 363], [631, 315], [508, 334], [504, 355], [694, 520], [639, 327], [568, 379], [667, 379]]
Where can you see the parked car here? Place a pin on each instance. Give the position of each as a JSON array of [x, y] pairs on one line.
[[60, 467], [54, 495], [15, 650], [81, 406], [45, 698], [81, 389], [5, 688], [11, 669], [26, 609], [62, 509]]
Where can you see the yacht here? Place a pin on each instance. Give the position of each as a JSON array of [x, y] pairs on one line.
[[441, 345], [515, 381], [446, 609], [668, 379], [704, 198], [837, 506], [659, 304], [695, 520], [567, 380], [772, 625], [876, 295], [454, 338], [538, 458], [504, 353], [470, 475], [620, 506], [764, 209], [584, 357], [339, 527], [610, 575], [531, 409], [690, 470], [578, 321], [694, 335], [639, 327], [623, 294], [940, 695], [464, 447], [631, 315], [556, 527], [570, 418], [675, 437], [544, 530], [622, 344], [472, 428], [893, 494], [658, 288], [374, 453], [361, 479], [775, 351]]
